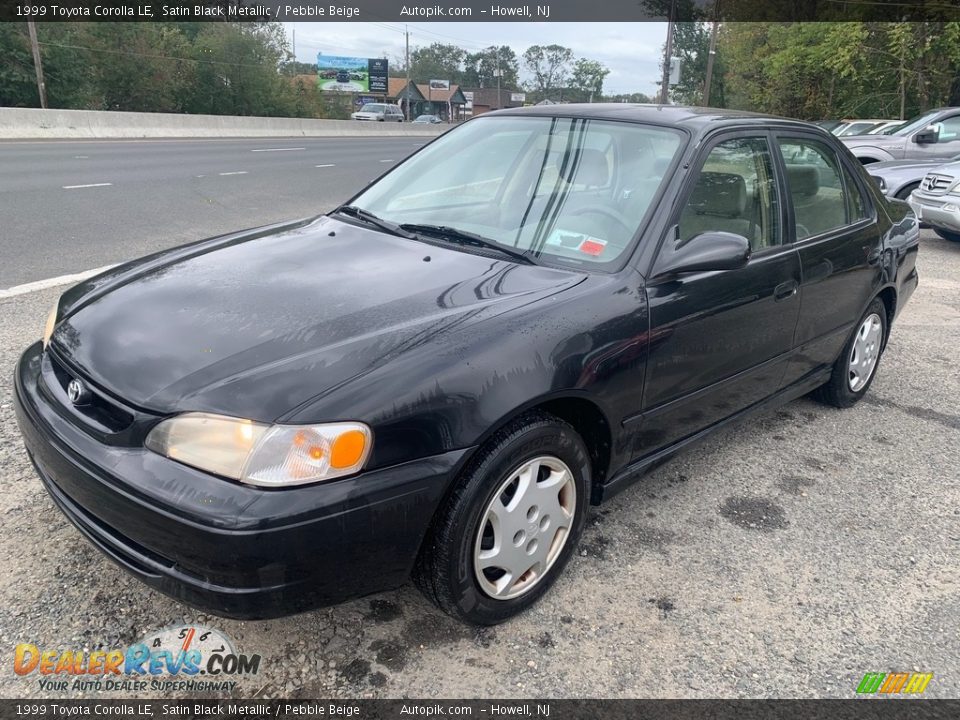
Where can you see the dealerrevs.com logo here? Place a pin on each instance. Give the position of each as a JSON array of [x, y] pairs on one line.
[[177, 658], [894, 683]]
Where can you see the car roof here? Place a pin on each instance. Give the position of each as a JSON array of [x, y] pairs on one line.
[[698, 120]]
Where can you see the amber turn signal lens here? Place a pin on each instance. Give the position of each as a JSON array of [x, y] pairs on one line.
[[347, 449]]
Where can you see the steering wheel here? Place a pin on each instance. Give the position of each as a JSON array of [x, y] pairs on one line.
[[609, 212]]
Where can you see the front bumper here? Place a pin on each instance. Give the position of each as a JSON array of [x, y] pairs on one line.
[[231, 549], [939, 211]]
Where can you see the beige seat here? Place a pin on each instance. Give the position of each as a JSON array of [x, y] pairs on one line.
[[717, 204], [815, 209]]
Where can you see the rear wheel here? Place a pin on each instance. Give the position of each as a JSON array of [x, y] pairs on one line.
[[854, 370], [511, 524], [948, 235]]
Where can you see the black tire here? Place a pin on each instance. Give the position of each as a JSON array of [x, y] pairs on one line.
[[905, 192], [445, 568], [947, 235], [837, 391]]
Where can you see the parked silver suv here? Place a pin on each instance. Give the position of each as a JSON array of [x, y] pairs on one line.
[[380, 112], [937, 201], [935, 134]]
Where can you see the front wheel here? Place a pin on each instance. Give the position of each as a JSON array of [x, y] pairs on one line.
[[907, 191], [510, 525], [947, 235], [854, 370]]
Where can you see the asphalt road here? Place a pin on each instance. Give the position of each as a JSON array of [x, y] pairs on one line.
[[75, 205], [783, 557]]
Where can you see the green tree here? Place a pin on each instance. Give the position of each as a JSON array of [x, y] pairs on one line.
[[550, 66], [481, 67], [586, 80], [437, 61]]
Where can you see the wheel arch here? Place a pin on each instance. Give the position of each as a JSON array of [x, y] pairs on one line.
[[580, 410], [888, 296], [867, 155]]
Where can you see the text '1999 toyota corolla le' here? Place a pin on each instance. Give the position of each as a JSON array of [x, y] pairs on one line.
[[437, 378]]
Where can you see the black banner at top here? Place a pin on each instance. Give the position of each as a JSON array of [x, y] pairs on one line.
[[480, 10]]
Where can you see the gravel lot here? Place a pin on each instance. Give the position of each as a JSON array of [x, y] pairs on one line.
[[784, 557]]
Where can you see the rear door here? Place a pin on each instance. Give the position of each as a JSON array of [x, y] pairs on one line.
[[719, 340], [833, 225]]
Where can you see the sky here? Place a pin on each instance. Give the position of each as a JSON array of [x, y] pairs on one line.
[[631, 51]]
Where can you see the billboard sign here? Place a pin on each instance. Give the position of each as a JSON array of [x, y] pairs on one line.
[[337, 73], [377, 75], [439, 84], [518, 97]]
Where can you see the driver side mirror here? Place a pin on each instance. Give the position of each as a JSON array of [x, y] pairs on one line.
[[705, 252], [929, 134]]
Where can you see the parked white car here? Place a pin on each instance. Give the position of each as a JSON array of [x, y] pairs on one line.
[[379, 112]]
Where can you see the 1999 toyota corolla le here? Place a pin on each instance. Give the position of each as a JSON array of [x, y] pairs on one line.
[[437, 378]]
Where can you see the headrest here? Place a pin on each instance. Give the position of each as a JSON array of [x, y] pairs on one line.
[[804, 180], [720, 194], [592, 168]]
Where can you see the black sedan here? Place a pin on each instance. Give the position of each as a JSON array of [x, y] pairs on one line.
[[437, 378]]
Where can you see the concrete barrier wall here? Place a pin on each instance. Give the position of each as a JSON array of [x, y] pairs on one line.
[[31, 123]]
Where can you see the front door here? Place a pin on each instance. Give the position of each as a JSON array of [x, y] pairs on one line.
[[719, 340], [947, 144]]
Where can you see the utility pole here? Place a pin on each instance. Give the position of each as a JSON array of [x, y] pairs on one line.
[[667, 52], [406, 90], [37, 64], [294, 44], [711, 55]]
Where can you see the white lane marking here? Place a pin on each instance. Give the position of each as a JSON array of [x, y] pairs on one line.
[[238, 172], [81, 157], [329, 165], [52, 282], [276, 149], [387, 160], [75, 187]]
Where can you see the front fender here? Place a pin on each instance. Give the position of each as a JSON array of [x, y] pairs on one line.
[[871, 154], [452, 392]]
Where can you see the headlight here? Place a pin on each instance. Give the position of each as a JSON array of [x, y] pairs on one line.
[[881, 183], [51, 323], [265, 455]]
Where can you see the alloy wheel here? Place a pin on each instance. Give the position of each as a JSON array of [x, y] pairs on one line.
[[524, 527], [865, 352]]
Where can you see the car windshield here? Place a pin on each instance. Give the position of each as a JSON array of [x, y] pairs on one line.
[[916, 123], [570, 190], [372, 107]]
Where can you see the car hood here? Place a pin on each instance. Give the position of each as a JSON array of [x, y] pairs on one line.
[[256, 325]]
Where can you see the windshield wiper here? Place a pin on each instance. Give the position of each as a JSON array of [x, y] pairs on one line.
[[468, 238], [370, 219]]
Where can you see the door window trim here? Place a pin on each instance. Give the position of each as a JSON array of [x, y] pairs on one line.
[[696, 167], [842, 161]]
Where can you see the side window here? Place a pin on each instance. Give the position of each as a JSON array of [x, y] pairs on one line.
[[816, 186], [949, 130], [735, 192], [856, 207]]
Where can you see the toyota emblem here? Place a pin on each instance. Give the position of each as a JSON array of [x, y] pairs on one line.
[[77, 392]]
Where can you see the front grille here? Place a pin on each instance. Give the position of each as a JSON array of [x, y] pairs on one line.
[[100, 412], [935, 183]]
